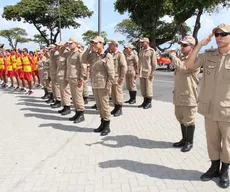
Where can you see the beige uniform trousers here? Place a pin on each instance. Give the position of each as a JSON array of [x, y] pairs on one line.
[[85, 88], [47, 84], [77, 96], [218, 139], [146, 87], [65, 93], [131, 83], [185, 114], [41, 78], [56, 88], [117, 94], [102, 102]]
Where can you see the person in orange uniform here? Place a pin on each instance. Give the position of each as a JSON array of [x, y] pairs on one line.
[[36, 74], [3, 70], [19, 61], [9, 65], [28, 67], [15, 71]]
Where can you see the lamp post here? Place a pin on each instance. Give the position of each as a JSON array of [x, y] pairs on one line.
[[99, 17], [59, 15]]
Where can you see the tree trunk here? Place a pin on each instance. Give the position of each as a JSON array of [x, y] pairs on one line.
[[197, 24], [182, 30], [42, 34]]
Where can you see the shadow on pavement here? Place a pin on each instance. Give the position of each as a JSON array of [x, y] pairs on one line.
[[46, 117], [32, 100], [71, 128], [33, 104], [39, 110], [153, 170], [29, 97], [130, 140]]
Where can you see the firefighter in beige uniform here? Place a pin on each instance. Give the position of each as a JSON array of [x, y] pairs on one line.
[[185, 94], [120, 68], [102, 71], [132, 73], [53, 75], [40, 71], [62, 79], [86, 78], [75, 75], [46, 73], [214, 101], [147, 67]]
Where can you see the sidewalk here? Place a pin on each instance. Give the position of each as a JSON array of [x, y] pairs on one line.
[[44, 152]]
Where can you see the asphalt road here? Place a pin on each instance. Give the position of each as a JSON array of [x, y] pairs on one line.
[[162, 86]]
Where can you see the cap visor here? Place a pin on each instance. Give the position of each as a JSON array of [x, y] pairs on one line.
[[183, 42]]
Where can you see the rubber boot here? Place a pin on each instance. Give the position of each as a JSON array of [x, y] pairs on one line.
[[60, 111], [148, 103], [133, 97], [181, 143], [74, 117], [100, 128], [130, 97], [51, 98], [224, 179], [143, 103], [94, 107], [57, 104], [46, 95], [214, 171], [114, 110], [189, 135], [118, 112], [106, 128], [80, 117], [66, 110]]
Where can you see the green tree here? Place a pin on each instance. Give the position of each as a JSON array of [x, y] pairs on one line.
[[39, 39], [44, 15], [14, 36], [88, 35]]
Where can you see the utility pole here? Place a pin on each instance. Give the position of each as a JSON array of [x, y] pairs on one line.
[[59, 15], [99, 17]]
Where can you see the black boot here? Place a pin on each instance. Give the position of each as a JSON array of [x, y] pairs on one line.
[[148, 104], [143, 103], [66, 110], [224, 179], [85, 100], [114, 110], [189, 141], [100, 128], [106, 128], [118, 112], [60, 111], [130, 97], [181, 143], [46, 95], [214, 171], [51, 98], [74, 117], [133, 97], [80, 117], [57, 104], [94, 107]]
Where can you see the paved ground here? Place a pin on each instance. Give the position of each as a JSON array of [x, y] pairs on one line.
[[42, 151]]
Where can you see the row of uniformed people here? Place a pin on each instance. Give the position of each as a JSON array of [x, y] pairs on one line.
[[64, 69]]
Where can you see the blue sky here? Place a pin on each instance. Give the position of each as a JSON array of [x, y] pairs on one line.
[[109, 20]]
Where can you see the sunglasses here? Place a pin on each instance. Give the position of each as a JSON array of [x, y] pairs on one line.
[[185, 45], [223, 34]]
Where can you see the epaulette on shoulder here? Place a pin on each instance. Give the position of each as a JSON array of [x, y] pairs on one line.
[[211, 50]]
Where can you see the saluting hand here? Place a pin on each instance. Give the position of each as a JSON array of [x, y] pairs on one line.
[[207, 39]]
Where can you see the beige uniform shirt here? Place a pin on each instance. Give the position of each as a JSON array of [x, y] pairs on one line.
[[40, 65], [147, 62], [120, 66], [85, 66], [214, 98], [62, 64], [185, 83], [74, 66], [102, 69], [53, 63], [132, 64], [46, 68]]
